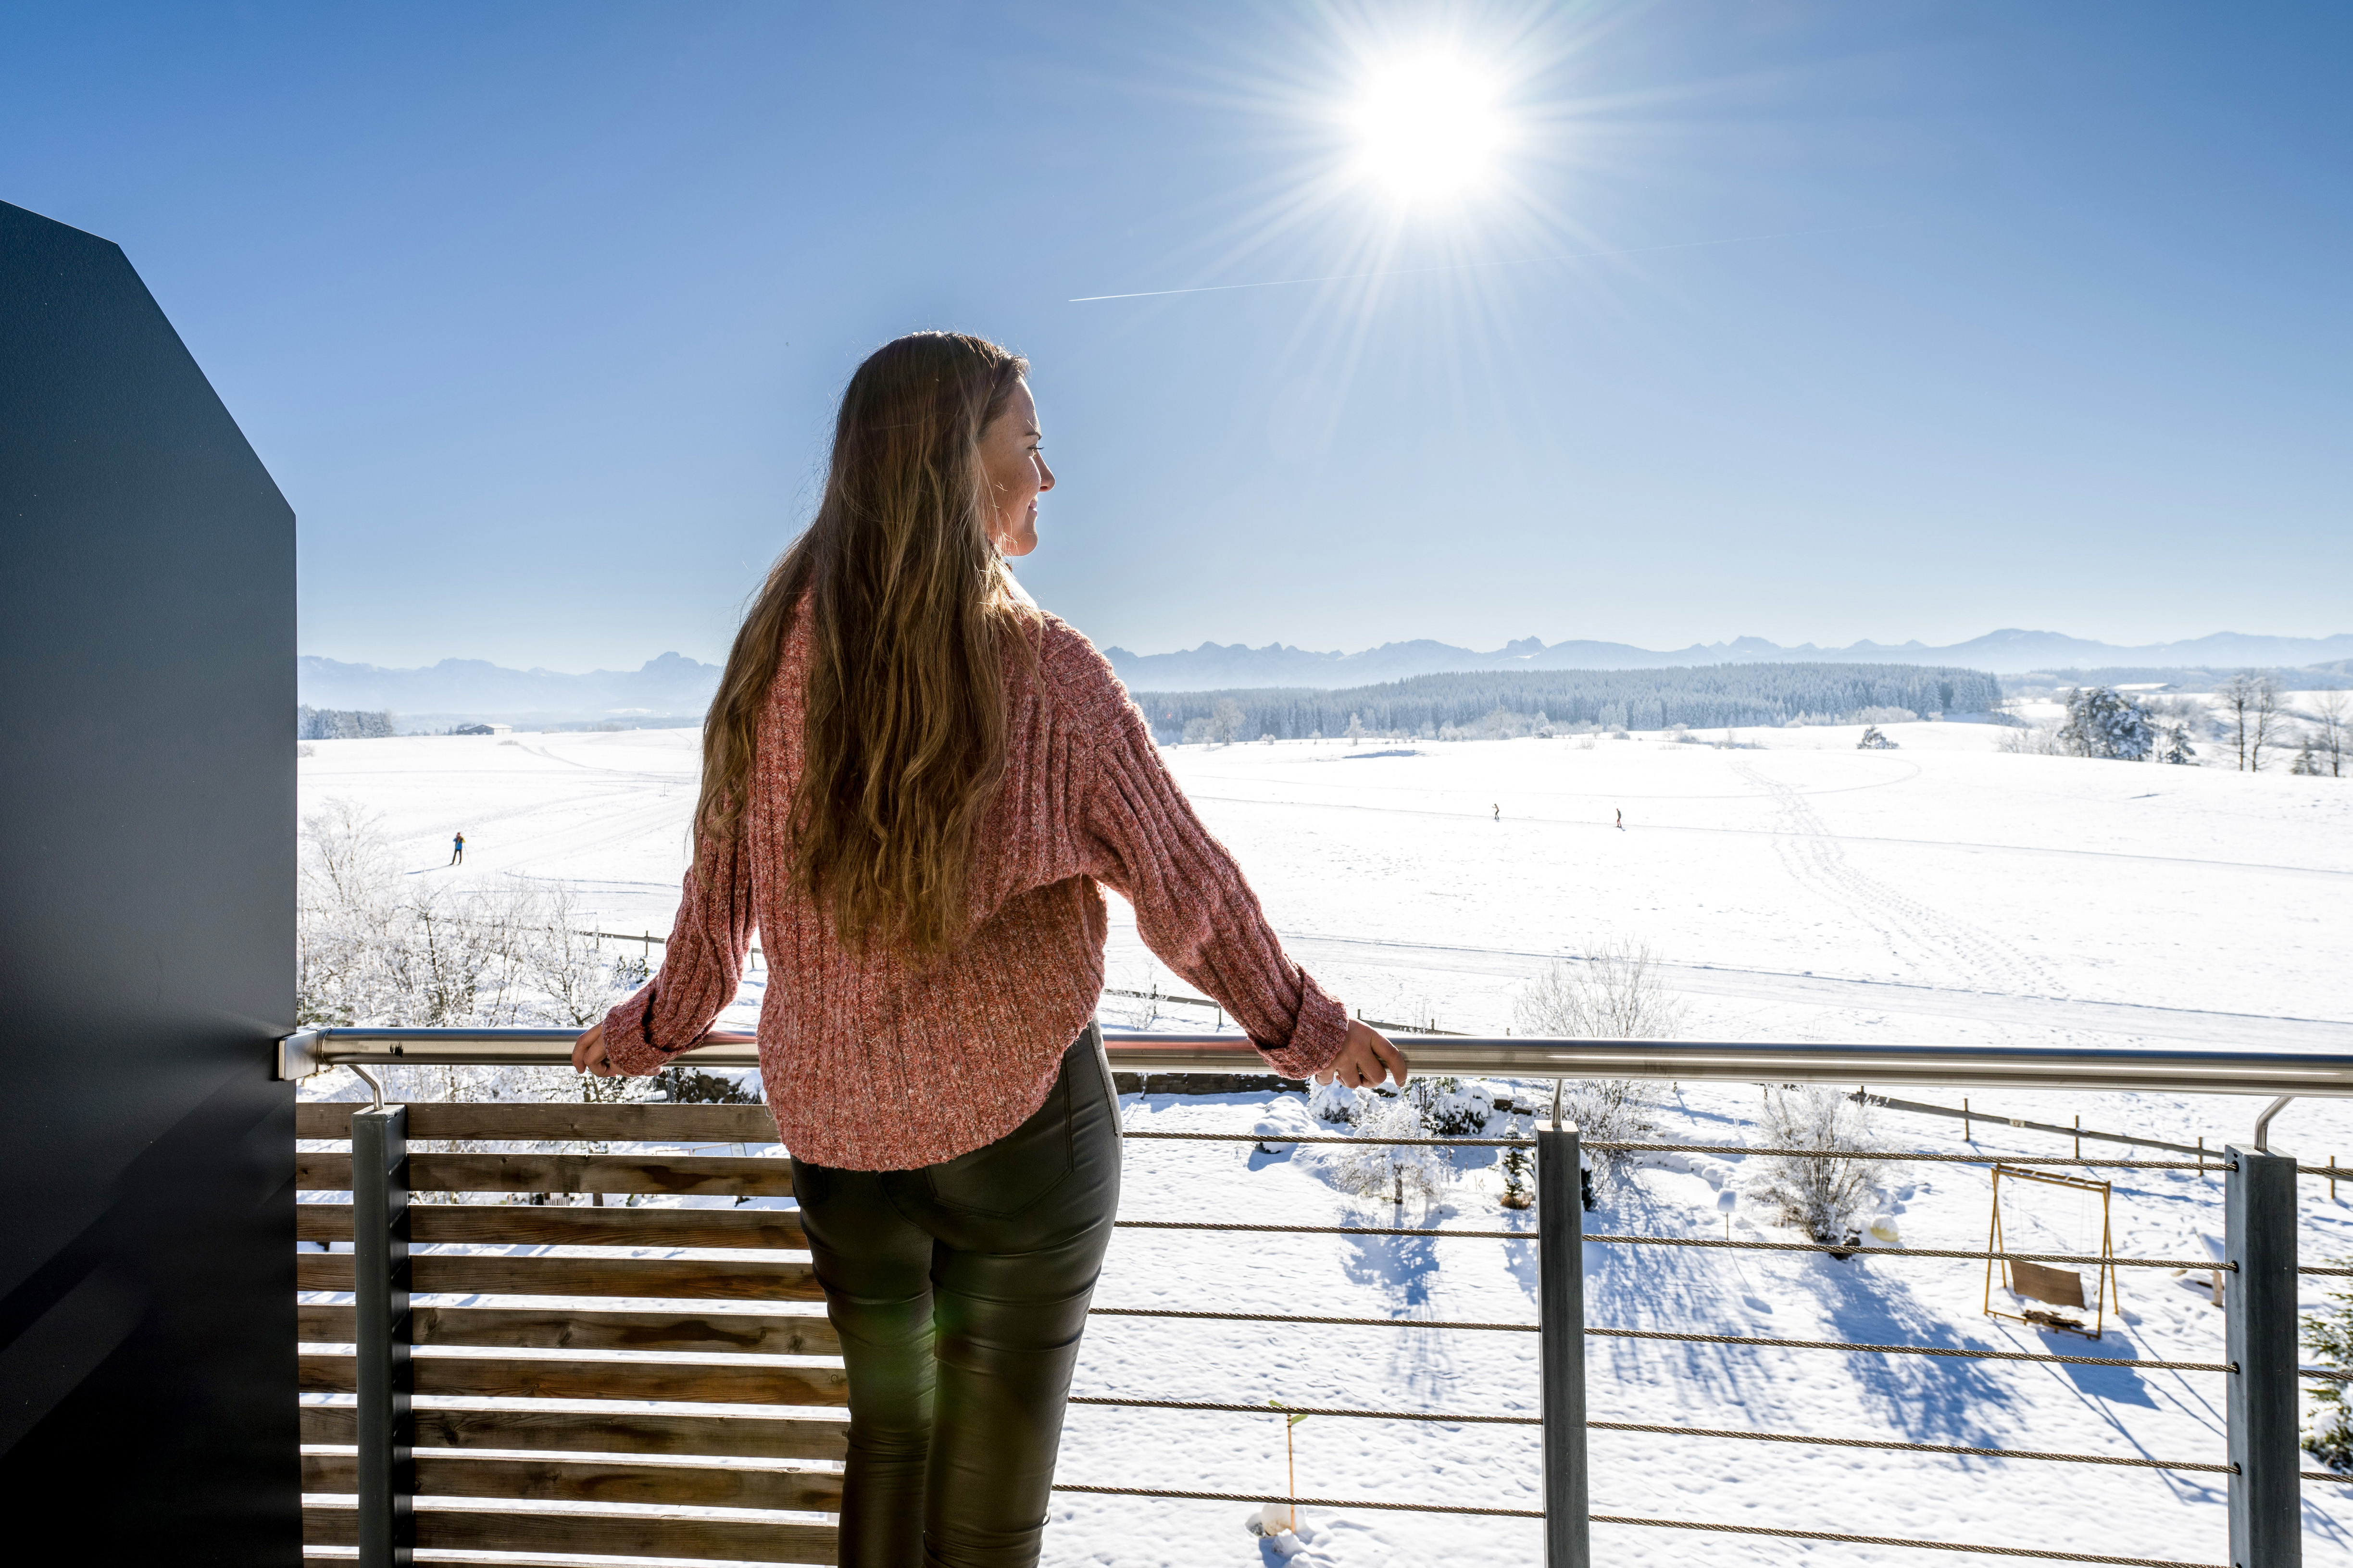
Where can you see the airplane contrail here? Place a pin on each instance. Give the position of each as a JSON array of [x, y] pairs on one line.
[[1467, 266]]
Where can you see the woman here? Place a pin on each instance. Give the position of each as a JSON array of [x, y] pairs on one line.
[[913, 782]]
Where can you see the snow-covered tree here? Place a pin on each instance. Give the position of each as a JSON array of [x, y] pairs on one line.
[[2328, 1334], [1873, 741], [1226, 722], [2104, 723], [2175, 747], [2250, 714], [1392, 1171], [1824, 1188], [2332, 712], [1356, 727]]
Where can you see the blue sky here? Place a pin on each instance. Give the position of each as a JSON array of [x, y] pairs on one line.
[[1905, 320]]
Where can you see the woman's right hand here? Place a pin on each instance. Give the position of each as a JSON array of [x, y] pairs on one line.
[[589, 1053], [1366, 1057]]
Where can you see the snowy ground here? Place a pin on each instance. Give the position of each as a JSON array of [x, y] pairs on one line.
[[1802, 890]]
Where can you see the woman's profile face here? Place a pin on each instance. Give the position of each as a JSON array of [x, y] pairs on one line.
[[1016, 473]]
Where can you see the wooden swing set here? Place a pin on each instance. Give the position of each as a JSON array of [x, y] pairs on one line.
[[2041, 1282]]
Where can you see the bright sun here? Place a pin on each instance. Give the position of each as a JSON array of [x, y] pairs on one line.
[[1428, 127]]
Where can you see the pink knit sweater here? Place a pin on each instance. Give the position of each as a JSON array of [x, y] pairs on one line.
[[875, 1063]]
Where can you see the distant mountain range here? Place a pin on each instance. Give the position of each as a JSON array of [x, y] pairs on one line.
[[469, 688], [674, 686], [1211, 666]]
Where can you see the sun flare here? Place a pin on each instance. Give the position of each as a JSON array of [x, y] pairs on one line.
[[1428, 128]]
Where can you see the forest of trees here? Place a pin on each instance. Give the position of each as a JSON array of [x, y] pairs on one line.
[[1707, 697], [340, 724]]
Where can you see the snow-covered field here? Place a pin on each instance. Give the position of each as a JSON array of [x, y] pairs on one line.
[[1799, 890]]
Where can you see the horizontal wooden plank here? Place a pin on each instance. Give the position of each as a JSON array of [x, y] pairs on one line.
[[552, 1377], [760, 1437], [545, 1121], [509, 1328], [600, 1479], [719, 1175], [492, 1274], [565, 1226], [606, 1535]]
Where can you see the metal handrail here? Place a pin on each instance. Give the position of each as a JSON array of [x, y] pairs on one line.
[[2271, 1073]]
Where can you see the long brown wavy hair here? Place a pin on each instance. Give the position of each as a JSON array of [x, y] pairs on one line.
[[911, 616]]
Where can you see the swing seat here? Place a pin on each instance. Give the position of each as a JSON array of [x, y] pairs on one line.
[[2058, 1286]]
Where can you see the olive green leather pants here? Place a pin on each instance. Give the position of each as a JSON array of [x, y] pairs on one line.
[[959, 1291]]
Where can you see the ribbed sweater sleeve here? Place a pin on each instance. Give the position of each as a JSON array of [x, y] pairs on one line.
[[1193, 906], [702, 965]]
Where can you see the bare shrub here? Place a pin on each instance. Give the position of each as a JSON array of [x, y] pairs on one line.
[[1614, 993], [1822, 1191], [567, 964]]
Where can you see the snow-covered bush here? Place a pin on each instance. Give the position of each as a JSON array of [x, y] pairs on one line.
[[1873, 741], [1606, 1111], [374, 947], [1282, 1124], [1824, 1190], [1336, 1104], [2328, 1334], [1390, 1171], [2032, 741], [1882, 716], [1614, 993], [1448, 1108], [2104, 723], [2174, 746]]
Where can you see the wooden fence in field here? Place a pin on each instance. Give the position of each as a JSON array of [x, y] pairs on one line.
[[545, 1422]]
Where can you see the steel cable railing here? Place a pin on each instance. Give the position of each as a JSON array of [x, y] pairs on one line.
[[1278, 1140], [2259, 1264]]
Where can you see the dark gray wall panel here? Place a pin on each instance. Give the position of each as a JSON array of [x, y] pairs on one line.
[[147, 1392]]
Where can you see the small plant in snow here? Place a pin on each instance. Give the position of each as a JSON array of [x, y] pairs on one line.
[[2328, 1334], [1873, 741], [1516, 1171], [1824, 1190], [1392, 1171]]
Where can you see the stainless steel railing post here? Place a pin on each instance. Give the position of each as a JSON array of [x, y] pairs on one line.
[[2259, 1339], [387, 1483], [1560, 1319]]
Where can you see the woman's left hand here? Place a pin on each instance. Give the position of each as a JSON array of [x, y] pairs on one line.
[[589, 1054]]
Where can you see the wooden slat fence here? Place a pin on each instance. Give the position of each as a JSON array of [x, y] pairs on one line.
[[692, 1387]]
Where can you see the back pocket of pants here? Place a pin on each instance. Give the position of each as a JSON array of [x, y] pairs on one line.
[[1003, 1178]]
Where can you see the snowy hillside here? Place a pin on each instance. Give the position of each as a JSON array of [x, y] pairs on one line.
[[1942, 892]]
